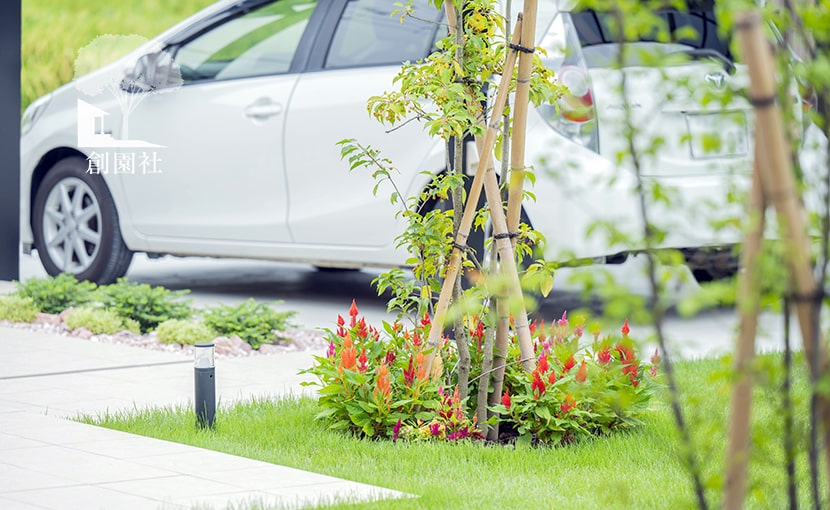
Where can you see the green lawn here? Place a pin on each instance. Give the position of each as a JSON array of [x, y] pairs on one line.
[[641, 469], [54, 30]]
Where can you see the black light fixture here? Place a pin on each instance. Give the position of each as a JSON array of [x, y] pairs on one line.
[[205, 395]]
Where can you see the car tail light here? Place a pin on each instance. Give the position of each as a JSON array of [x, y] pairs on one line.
[[574, 115]]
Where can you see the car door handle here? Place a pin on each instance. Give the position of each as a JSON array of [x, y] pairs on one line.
[[263, 108]]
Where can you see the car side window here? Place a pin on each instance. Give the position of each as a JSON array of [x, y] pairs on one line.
[[257, 43], [369, 35]]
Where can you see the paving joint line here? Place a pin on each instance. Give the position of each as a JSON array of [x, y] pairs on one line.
[[101, 369]]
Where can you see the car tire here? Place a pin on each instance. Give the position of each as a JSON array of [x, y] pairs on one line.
[[75, 225]]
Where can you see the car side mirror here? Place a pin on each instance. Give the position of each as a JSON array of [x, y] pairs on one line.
[[152, 72]]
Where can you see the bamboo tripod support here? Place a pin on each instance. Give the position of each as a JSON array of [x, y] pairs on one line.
[[485, 175], [517, 162], [773, 183]]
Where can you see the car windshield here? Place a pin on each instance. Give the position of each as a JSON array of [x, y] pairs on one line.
[[693, 32]]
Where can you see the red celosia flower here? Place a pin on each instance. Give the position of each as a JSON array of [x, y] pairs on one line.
[[363, 361], [625, 329], [569, 364], [390, 357], [582, 373], [552, 377], [425, 319], [655, 361], [409, 373], [538, 386], [655, 358], [541, 328], [341, 331], [532, 327], [604, 356], [505, 400], [568, 404], [626, 354], [542, 365], [362, 330], [353, 314], [416, 339]]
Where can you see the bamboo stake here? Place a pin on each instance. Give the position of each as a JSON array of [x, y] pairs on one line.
[[778, 180], [748, 310], [454, 265], [517, 163]]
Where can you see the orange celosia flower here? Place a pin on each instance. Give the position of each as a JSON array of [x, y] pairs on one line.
[[568, 404], [421, 369], [383, 387], [582, 373], [348, 355]]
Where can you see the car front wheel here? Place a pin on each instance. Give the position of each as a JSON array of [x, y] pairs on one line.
[[75, 225]]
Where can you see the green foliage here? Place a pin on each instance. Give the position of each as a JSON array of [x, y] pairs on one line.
[[100, 321], [184, 332], [575, 392], [255, 323], [56, 294], [17, 308], [149, 306]]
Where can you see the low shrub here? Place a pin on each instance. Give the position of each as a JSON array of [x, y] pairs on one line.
[[255, 323], [378, 387], [184, 332], [577, 391], [100, 321], [17, 308], [54, 295], [149, 306]]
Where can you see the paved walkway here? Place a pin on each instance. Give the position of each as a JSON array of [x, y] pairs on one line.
[[48, 461]]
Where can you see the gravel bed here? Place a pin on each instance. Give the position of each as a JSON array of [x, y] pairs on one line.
[[226, 347]]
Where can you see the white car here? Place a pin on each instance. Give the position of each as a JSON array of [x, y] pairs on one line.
[[217, 139]]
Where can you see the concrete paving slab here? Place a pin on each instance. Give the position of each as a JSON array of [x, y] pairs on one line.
[[49, 462], [87, 497]]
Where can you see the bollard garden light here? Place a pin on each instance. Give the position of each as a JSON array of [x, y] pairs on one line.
[[205, 398]]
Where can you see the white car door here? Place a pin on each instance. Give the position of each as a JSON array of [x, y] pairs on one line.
[[329, 204], [219, 172]]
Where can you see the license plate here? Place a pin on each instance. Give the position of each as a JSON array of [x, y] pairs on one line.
[[718, 135]]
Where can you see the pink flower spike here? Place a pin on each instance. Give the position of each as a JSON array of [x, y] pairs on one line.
[[331, 353], [435, 429], [396, 430], [578, 330], [655, 358], [564, 320]]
